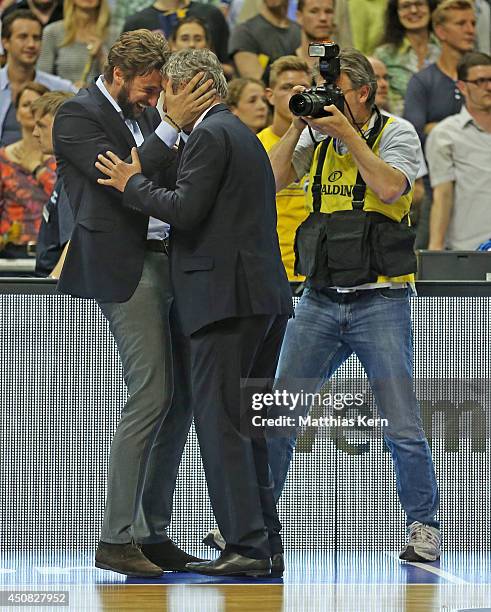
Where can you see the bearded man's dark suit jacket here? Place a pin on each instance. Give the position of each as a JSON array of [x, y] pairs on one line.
[[105, 233], [105, 262], [233, 300]]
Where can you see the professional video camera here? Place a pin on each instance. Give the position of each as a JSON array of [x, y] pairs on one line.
[[311, 102]]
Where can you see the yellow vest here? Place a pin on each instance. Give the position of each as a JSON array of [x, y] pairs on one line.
[[291, 211], [338, 178]]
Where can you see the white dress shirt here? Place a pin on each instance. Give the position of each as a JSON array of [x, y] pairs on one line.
[[157, 229]]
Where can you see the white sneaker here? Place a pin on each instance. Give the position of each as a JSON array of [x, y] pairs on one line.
[[423, 543], [214, 539]]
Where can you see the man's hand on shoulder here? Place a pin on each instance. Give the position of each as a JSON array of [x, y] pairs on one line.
[[336, 125], [118, 171], [186, 104]]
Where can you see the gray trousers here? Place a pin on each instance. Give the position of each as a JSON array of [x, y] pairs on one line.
[[150, 437]]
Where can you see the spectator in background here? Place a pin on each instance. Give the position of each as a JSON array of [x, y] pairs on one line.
[[57, 219], [21, 38], [76, 48], [408, 45], [459, 156], [382, 75], [5, 4], [122, 9], [432, 93], [46, 11], [367, 23], [126, 8], [27, 177], [342, 23], [316, 18], [242, 10], [164, 15], [286, 73], [246, 99], [192, 33], [483, 26], [264, 38]]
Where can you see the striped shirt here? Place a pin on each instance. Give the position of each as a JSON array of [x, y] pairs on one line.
[[69, 61]]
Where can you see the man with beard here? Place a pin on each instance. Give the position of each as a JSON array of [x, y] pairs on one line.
[[119, 257], [47, 11], [316, 18], [259, 41]]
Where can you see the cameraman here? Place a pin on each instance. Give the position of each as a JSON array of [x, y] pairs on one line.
[[369, 317]]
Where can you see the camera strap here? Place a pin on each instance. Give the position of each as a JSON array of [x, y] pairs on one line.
[[360, 187], [317, 182]]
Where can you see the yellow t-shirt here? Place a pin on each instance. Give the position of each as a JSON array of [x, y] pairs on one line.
[[291, 211]]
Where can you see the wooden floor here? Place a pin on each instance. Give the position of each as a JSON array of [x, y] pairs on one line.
[[283, 598], [342, 581]]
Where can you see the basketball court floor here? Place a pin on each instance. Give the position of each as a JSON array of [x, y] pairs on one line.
[[314, 581]]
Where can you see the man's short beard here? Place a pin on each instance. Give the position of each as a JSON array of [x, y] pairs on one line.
[[129, 109], [279, 11]]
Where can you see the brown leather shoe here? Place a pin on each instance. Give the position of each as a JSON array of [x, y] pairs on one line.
[[125, 559]]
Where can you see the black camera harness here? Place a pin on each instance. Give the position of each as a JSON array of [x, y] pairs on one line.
[[385, 247]]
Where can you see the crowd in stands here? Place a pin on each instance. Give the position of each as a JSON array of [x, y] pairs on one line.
[[431, 61]]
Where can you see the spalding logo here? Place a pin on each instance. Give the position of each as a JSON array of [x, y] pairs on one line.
[[335, 176]]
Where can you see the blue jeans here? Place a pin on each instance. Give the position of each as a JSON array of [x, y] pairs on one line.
[[376, 326]]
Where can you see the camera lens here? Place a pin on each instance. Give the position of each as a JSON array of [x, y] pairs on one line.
[[301, 104]]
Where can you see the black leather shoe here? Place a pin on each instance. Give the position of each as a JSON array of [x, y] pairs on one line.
[[277, 565], [125, 559], [232, 564], [168, 556]]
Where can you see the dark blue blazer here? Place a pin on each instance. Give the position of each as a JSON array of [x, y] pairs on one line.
[[105, 257], [225, 256]]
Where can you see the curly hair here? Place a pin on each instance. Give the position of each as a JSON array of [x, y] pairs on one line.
[[183, 65], [137, 53]]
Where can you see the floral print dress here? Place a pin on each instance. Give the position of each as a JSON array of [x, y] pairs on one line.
[[22, 198]]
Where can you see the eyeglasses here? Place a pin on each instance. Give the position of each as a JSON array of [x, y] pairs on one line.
[[481, 82], [405, 7]]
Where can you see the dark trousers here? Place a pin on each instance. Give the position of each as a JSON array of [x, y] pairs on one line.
[[235, 461]]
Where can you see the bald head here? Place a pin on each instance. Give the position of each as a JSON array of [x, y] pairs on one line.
[[380, 69]]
